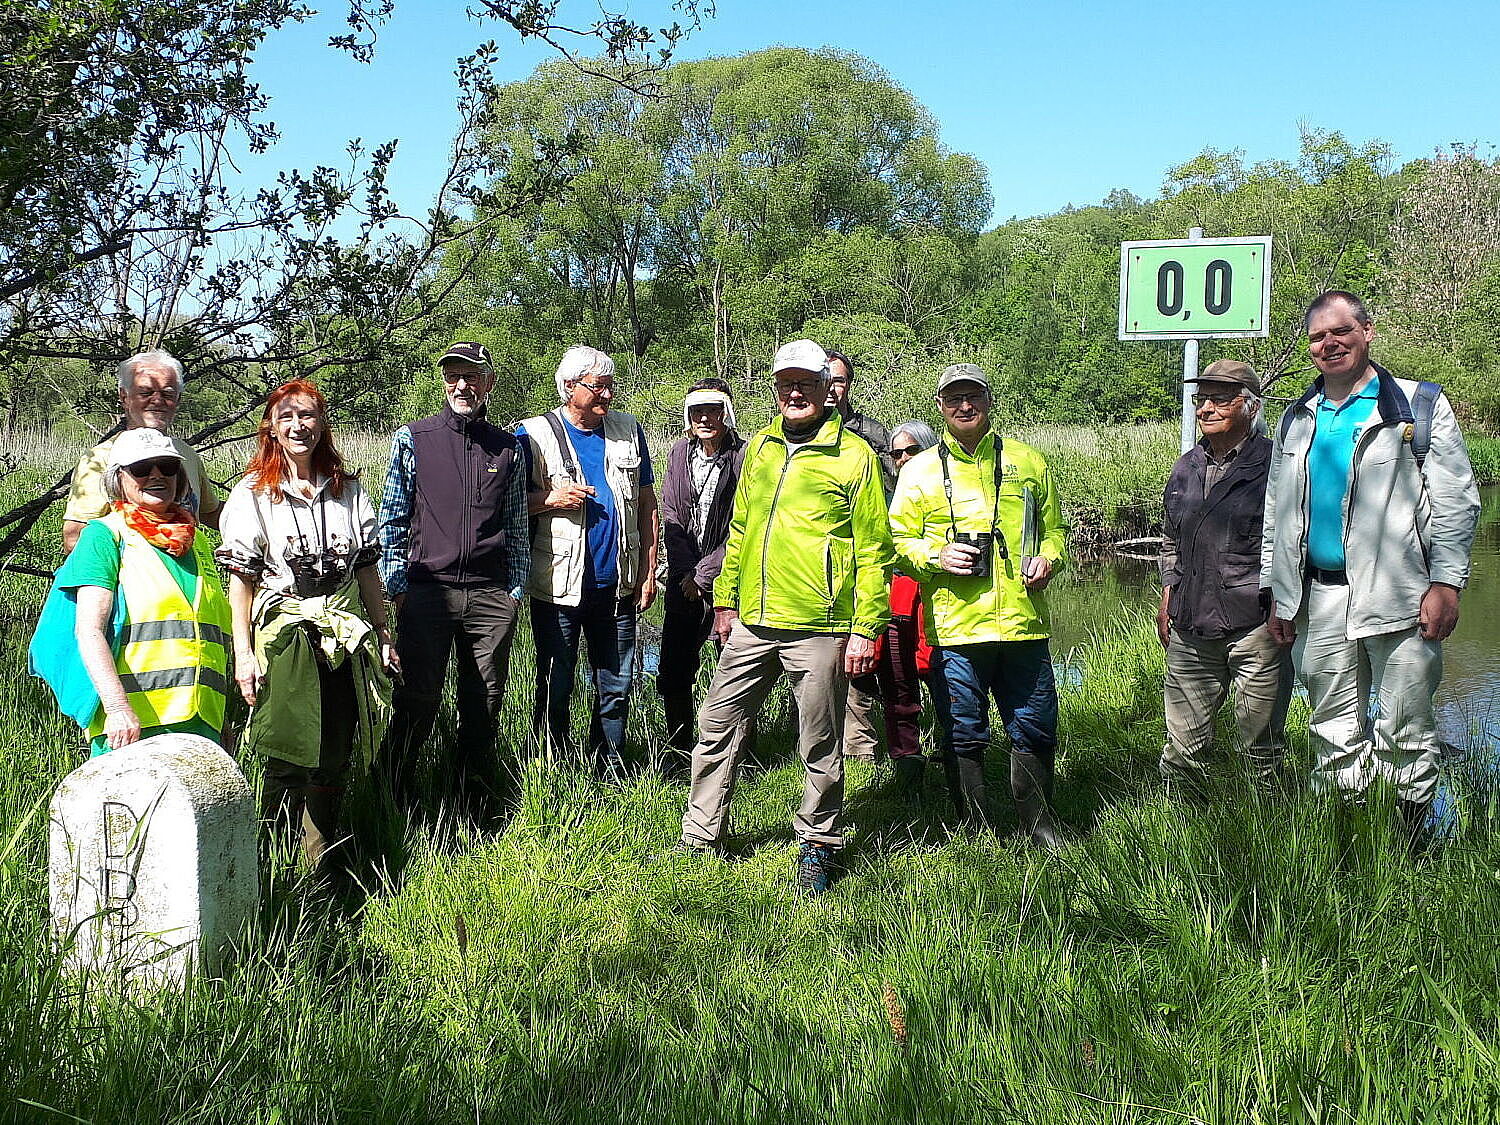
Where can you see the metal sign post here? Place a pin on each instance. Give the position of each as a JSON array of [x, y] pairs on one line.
[[1192, 290]]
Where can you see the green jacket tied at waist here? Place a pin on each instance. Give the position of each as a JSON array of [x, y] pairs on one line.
[[290, 633]]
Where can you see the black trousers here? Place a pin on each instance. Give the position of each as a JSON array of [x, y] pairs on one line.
[[685, 627], [477, 624]]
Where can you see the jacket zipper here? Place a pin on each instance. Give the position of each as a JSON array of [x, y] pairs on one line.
[[1305, 507], [1364, 438], [463, 555], [765, 545], [828, 575]]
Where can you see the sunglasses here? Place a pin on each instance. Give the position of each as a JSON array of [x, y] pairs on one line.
[[166, 466], [905, 451], [804, 387], [472, 376], [1222, 398], [964, 398]]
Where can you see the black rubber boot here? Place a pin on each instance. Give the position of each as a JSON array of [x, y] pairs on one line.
[[966, 786], [909, 772], [677, 752], [1411, 825], [1031, 786]]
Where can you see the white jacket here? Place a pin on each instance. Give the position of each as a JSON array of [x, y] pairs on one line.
[[1405, 527]]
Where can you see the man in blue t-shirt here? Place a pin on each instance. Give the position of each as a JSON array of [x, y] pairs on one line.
[[593, 550], [1364, 551]]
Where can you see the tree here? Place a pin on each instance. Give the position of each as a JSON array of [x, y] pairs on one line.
[[705, 225], [1445, 239], [117, 231]]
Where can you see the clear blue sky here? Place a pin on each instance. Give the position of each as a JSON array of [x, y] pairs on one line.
[[1061, 101]]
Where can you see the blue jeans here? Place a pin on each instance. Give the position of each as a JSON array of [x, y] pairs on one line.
[[607, 626], [1018, 674]]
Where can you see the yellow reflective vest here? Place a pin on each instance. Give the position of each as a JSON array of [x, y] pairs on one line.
[[1024, 511], [172, 656]]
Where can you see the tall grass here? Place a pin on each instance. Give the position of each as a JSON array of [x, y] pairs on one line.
[[1246, 961], [1249, 960]]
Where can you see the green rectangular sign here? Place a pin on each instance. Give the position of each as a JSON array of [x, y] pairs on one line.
[[1204, 289]]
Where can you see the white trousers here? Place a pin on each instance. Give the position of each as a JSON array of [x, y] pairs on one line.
[[1354, 743]]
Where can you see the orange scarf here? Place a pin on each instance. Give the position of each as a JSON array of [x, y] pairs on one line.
[[172, 531]]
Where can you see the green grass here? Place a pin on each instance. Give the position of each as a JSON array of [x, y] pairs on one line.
[[1245, 962]]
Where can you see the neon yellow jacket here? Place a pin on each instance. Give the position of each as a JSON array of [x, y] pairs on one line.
[[809, 547], [997, 607], [171, 655]]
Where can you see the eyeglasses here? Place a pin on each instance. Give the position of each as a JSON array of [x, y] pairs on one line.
[[472, 375], [963, 398], [1218, 398], [166, 466], [804, 387], [598, 388], [902, 452]]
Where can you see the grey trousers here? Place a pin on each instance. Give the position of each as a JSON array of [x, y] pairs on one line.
[[1199, 674], [860, 737], [1352, 742], [748, 668]]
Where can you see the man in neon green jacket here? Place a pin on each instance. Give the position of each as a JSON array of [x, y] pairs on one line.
[[803, 590], [983, 540]]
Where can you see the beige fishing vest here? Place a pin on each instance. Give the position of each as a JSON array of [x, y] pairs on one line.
[[559, 545]]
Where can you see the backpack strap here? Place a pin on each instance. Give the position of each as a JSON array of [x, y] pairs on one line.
[[1423, 404]]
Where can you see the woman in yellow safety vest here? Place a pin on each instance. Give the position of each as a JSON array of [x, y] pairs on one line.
[[152, 622]]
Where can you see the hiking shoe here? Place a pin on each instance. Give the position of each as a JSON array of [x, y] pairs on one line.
[[814, 868]]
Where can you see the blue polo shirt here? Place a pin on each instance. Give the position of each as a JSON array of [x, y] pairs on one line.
[[1332, 454]]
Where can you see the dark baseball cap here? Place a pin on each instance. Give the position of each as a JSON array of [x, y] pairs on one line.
[[1234, 371], [468, 352]]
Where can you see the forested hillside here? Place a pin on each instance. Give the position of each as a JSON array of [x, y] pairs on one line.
[[791, 192]]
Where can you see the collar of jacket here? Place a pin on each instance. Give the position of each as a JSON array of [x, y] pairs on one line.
[[828, 433], [1255, 449], [458, 422], [1391, 402], [957, 449]]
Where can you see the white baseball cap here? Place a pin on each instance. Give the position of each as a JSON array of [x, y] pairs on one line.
[[800, 355], [140, 444]]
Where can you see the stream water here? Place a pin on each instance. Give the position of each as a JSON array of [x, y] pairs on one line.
[[1469, 700]]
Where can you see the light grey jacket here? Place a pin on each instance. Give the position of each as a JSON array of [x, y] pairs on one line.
[[1405, 527]]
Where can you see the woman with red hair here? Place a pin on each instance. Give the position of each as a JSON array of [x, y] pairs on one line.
[[312, 641]]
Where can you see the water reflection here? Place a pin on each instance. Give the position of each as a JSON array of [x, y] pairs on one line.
[[1089, 595]]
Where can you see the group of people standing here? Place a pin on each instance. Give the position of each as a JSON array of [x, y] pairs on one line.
[[858, 562]]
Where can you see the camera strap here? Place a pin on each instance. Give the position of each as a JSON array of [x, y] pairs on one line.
[[318, 545], [995, 500], [564, 446]]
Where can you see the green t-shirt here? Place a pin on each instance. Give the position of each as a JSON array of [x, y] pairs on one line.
[[95, 561]]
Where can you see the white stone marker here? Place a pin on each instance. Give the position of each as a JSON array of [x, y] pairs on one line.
[[153, 864]]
